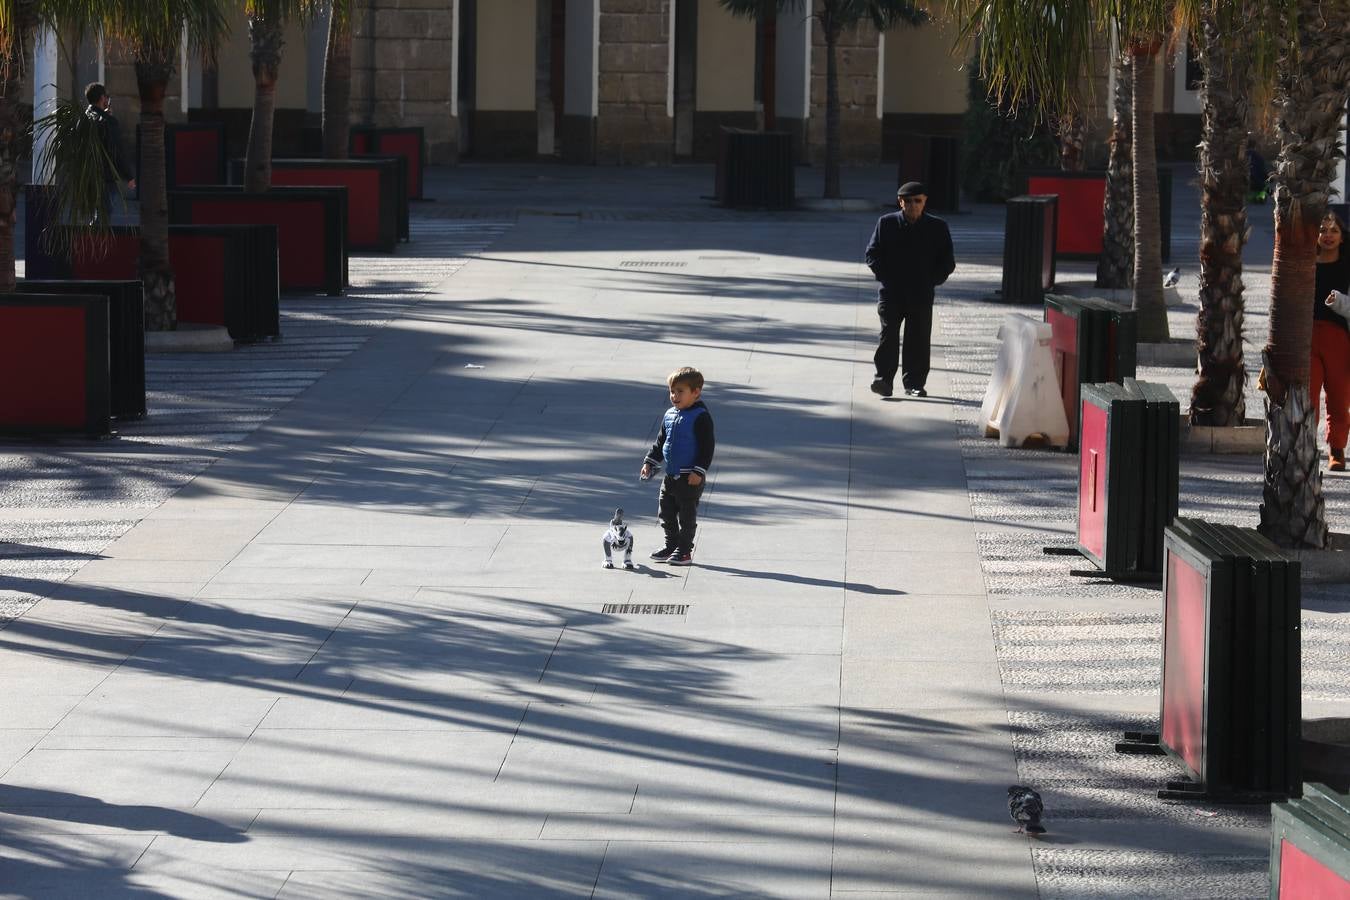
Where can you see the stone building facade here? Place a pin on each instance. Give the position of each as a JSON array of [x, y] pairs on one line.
[[619, 82], [402, 54]]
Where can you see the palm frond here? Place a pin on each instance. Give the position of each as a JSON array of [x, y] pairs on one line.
[[151, 30], [1040, 52], [302, 11], [73, 151]]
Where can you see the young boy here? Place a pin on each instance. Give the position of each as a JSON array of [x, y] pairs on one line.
[[685, 447]]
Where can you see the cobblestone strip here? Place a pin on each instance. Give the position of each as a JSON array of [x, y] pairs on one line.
[[1061, 636], [63, 501]]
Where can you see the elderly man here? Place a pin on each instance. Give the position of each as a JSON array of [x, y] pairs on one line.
[[910, 254]]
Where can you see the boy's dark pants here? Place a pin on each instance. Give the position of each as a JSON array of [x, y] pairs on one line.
[[677, 511]]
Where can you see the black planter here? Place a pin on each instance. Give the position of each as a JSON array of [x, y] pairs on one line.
[[1029, 249], [54, 364], [126, 336], [311, 225], [936, 161], [755, 170]]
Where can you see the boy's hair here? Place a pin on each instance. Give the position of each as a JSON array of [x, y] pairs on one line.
[[94, 92], [688, 376]]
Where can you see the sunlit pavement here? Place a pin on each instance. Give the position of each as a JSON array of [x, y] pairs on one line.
[[341, 629]]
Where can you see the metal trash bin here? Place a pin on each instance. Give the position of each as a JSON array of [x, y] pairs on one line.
[[1028, 249], [755, 169], [1128, 477], [1230, 703], [1093, 342], [1310, 845]]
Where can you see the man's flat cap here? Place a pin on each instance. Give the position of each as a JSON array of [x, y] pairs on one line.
[[911, 189]]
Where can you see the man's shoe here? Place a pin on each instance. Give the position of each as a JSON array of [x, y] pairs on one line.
[[663, 554], [882, 386], [1337, 455], [916, 392], [681, 558]]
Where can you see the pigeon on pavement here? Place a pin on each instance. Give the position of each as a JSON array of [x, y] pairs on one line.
[[1173, 278], [1026, 808]]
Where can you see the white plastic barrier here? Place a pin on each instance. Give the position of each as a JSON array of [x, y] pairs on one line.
[[1023, 397]]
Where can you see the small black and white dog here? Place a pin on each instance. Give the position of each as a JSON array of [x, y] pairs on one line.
[[618, 537]]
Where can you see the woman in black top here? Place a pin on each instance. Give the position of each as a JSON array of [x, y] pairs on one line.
[[1331, 338]]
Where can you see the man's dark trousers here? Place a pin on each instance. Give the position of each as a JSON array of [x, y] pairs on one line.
[[677, 511], [915, 313]]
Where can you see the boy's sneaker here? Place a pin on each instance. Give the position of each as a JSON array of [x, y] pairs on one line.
[[663, 554], [681, 558]]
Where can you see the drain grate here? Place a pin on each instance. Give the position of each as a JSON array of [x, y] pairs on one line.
[[652, 264], [647, 609]]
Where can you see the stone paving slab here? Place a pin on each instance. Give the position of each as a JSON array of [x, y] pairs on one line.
[[350, 637]]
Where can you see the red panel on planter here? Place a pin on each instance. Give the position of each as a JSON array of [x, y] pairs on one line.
[[360, 142], [197, 157], [363, 196], [42, 355], [1080, 211], [300, 231], [1064, 351], [1304, 878], [1183, 692], [199, 277], [112, 258], [409, 145], [1092, 480]]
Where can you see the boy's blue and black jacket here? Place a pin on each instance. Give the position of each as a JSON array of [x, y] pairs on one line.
[[686, 441]]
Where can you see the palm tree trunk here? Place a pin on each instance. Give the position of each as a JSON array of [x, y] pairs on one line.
[[337, 86], [155, 269], [1150, 310], [8, 278], [1309, 101], [265, 43], [1115, 266], [1217, 397], [161, 304], [15, 116], [832, 189], [1072, 142]]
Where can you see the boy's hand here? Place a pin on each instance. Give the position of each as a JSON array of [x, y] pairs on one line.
[[645, 472], [695, 479]]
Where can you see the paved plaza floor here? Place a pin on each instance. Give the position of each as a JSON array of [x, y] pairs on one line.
[[331, 620]]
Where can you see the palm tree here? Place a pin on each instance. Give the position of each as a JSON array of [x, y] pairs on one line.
[[1218, 395], [19, 20], [1115, 265], [1313, 75], [151, 31], [266, 33], [1149, 307], [835, 17], [1045, 50], [337, 81]]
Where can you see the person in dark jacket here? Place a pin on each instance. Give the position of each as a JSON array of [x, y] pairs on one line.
[[910, 254], [685, 447], [115, 168]]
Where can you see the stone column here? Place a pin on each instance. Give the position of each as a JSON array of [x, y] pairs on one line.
[[403, 54], [859, 126], [45, 64], [634, 123], [793, 84], [580, 101]]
